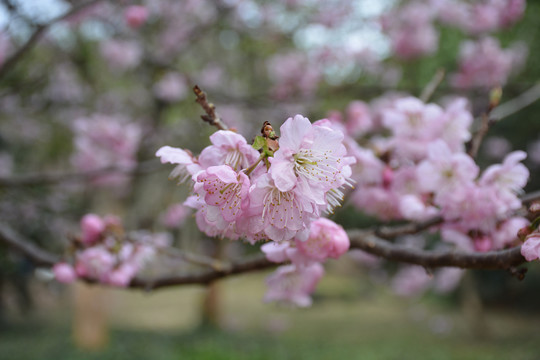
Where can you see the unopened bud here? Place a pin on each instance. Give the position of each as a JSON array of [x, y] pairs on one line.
[[535, 208], [524, 232], [495, 97]]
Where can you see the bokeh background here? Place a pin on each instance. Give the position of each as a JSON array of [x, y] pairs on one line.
[[104, 87]]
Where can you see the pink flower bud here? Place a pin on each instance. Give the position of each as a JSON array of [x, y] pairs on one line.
[[64, 273], [135, 16], [92, 227], [482, 243]]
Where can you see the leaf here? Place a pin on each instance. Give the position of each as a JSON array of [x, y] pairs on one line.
[[259, 142]]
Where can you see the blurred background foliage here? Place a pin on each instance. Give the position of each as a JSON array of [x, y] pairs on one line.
[[228, 48]]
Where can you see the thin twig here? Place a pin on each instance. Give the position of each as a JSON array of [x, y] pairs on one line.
[[33, 252], [37, 34], [211, 116], [516, 104], [432, 85]]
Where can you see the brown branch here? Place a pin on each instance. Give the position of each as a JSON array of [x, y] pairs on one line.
[[53, 178], [363, 240], [211, 116], [500, 259], [390, 232], [34, 253], [37, 34]]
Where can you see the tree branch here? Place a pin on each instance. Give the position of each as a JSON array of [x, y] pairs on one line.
[[37, 34], [34, 253], [500, 259], [516, 104], [211, 116]]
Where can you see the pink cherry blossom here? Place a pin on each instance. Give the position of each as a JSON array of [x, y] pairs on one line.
[[483, 64], [444, 171], [175, 216], [225, 189], [531, 247], [171, 87], [228, 148], [507, 231], [64, 273], [285, 214], [292, 284], [121, 54], [187, 167], [92, 227], [326, 239], [95, 262], [314, 154], [136, 15], [276, 251]]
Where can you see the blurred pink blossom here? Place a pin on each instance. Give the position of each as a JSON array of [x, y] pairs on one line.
[[135, 15]]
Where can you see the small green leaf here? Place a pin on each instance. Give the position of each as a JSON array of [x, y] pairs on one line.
[[259, 142]]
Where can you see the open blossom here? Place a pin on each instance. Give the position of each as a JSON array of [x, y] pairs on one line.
[[136, 15], [483, 64], [187, 166], [444, 170], [531, 247], [312, 153], [228, 148], [64, 273], [285, 214], [225, 189], [293, 284], [92, 227], [326, 239], [95, 262]]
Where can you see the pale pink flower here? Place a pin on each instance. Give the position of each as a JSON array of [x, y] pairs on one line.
[[64, 273], [326, 239], [412, 207], [531, 247], [285, 214], [457, 121], [507, 232], [225, 189], [510, 176], [483, 64], [92, 227], [122, 275], [410, 281], [135, 15], [95, 263], [276, 251], [482, 243], [447, 279], [171, 87], [313, 153], [378, 202], [187, 167], [175, 216], [445, 171], [358, 118], [292, 284], [228, 148], [121, 54]]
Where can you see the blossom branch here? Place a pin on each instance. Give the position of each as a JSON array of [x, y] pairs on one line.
[[363, 240], [501, 259], [211, 116], [37, 34], [34, 253]]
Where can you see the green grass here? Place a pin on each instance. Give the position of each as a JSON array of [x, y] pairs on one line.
[[349, 320]]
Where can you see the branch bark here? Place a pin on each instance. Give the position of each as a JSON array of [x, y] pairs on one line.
[[363, 240]]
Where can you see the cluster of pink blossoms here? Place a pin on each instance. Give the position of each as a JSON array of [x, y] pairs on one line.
[[280, 199], [422, 171], [484, 64], [104, 254], [105, 140]]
